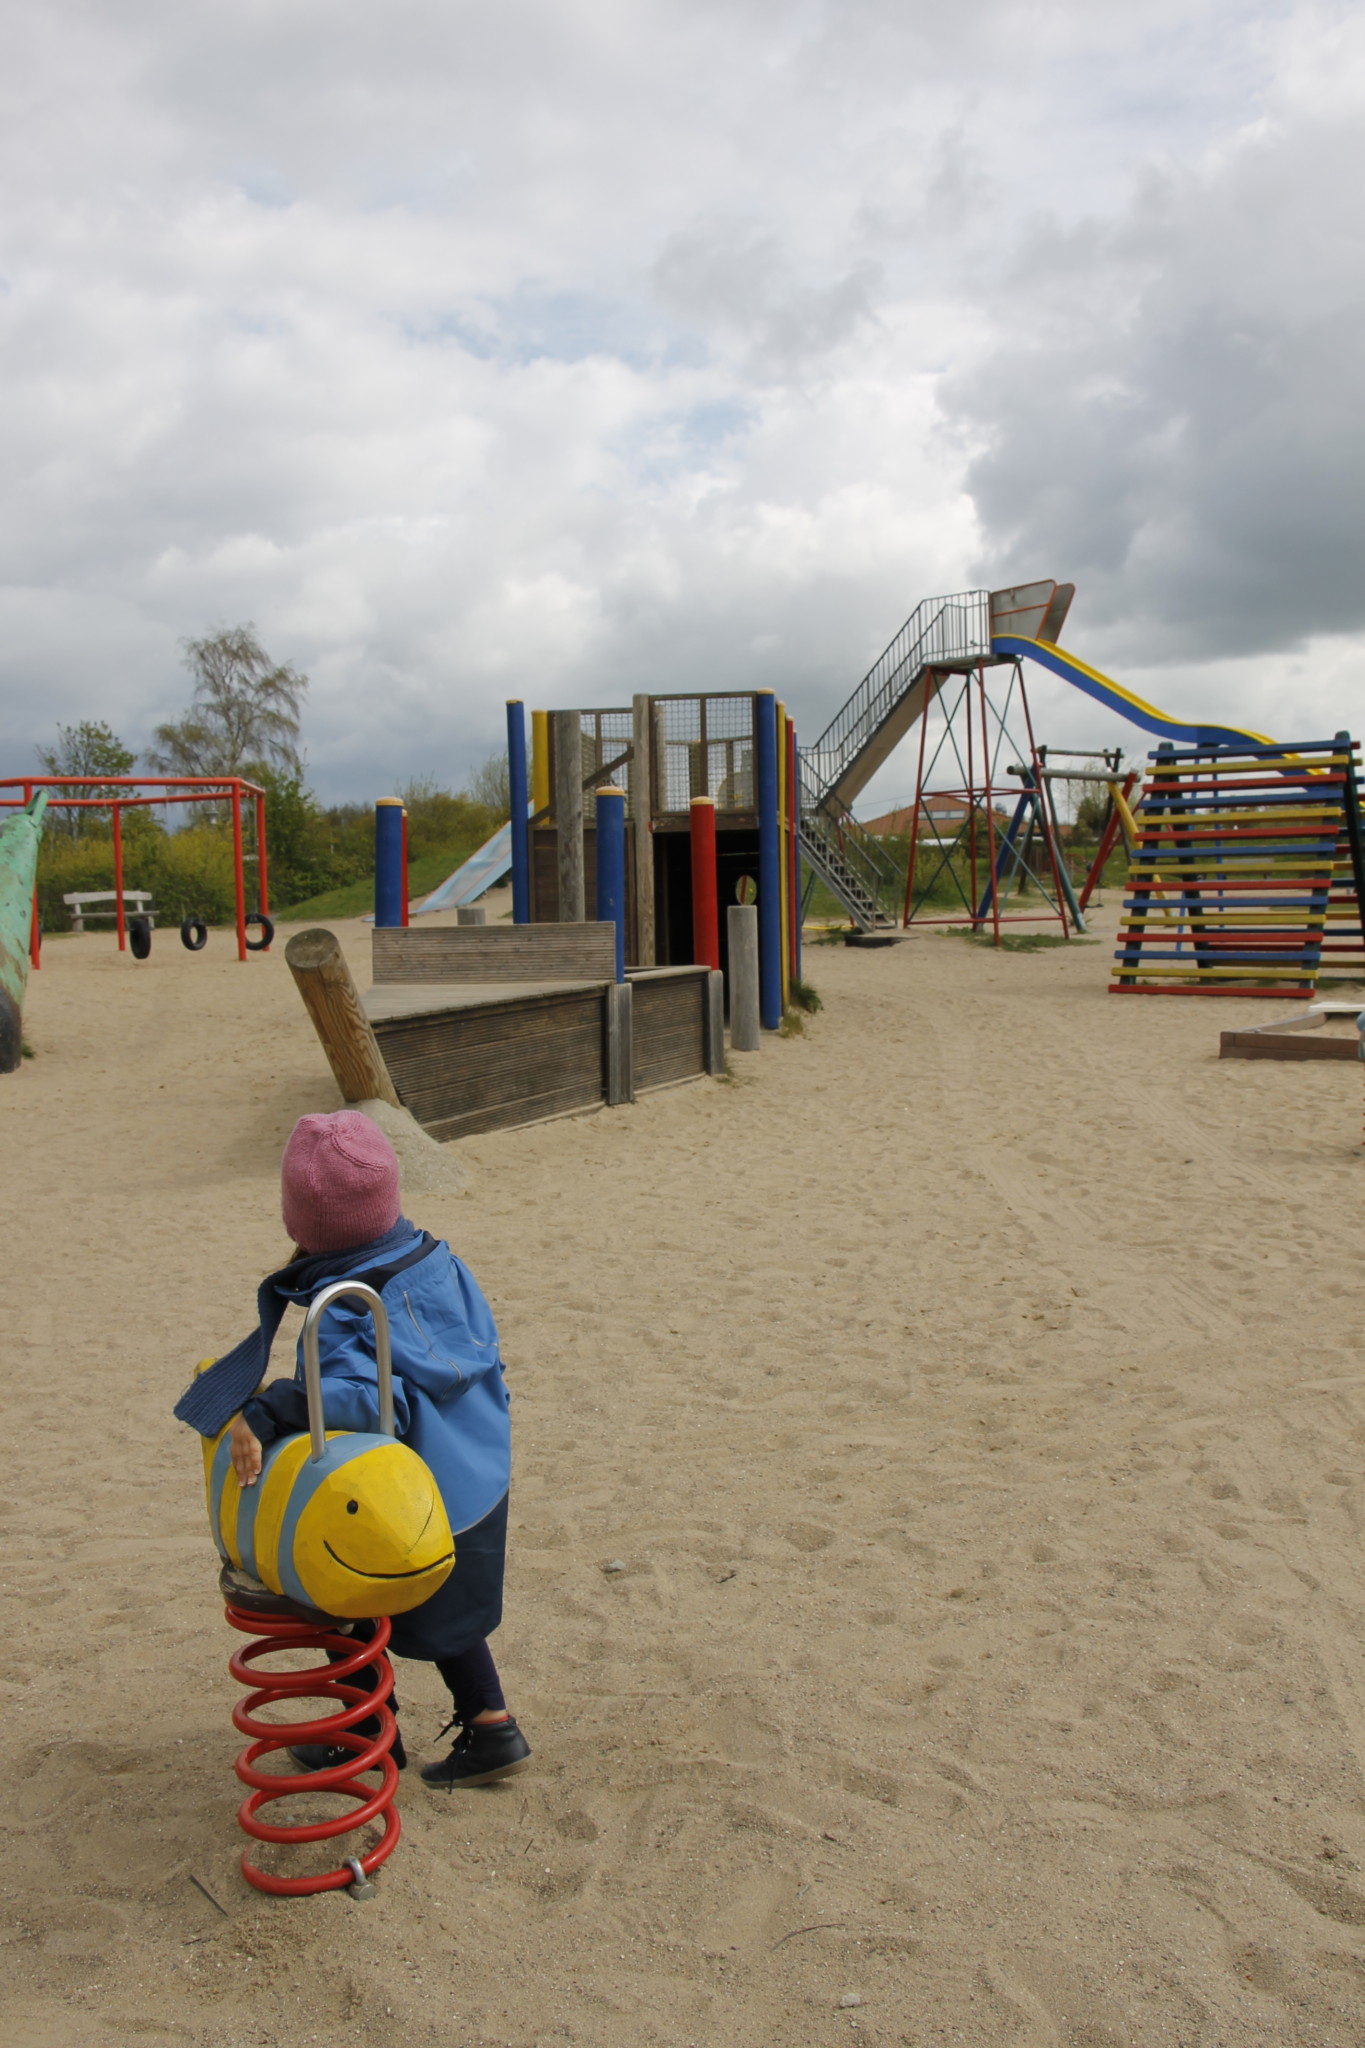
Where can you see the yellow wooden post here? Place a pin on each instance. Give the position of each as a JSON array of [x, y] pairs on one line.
[[540, 760]]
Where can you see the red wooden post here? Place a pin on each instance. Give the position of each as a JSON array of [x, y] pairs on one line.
[[705, 914], [119, 919], [262, 885], [239, 883]]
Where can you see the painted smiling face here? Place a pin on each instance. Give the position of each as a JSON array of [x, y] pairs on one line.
[[360, 1533]]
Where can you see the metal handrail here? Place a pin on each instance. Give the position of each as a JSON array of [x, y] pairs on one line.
[[851, 861], [940, 630], [312, 1363]]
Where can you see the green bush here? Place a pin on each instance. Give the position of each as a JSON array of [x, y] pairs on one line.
[[317, 859], [187, 873]]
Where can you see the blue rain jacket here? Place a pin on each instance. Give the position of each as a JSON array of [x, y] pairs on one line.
[[450, 1405]]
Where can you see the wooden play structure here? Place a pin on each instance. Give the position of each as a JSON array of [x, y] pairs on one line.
[[1246, 871], [710, 812], [478, 1027]]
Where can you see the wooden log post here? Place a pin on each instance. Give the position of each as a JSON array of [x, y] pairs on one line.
[[745, 1022], [642, 816], [620, 1044], [323, 979], [474, 913], [569, 815]]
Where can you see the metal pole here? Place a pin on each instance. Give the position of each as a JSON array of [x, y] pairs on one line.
[[1065, 893], [238, 873], [341, 1290], [769, 862], [930, 692], [262, 885], [120, 921], [517, 793], [994, 883]]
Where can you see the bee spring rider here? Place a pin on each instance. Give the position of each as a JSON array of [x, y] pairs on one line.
[[341, 1526]]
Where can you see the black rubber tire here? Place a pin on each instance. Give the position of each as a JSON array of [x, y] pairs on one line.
[[194, 934], [267, 931], [139, 937]]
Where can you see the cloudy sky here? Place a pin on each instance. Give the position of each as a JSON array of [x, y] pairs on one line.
[[565, 348]]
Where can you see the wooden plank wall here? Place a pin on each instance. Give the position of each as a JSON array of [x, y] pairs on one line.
[[1229, 884], [481, 1070], [545, 879], [670, 1040], [498, 952]]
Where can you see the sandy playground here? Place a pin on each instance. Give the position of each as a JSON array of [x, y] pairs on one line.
[[972, 1392]]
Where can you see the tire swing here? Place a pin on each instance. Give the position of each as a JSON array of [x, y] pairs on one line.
[[267, 931], [194, 934], [139, 937]]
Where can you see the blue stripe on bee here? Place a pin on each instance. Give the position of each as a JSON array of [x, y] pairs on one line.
[[340, 1451], [222, 1465]]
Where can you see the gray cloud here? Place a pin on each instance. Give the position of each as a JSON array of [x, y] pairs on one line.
[[1176, 414], [561, 350]]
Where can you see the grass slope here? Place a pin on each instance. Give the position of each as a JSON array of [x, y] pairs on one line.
[[353, 899]]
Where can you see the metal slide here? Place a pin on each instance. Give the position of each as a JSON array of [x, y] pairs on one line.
[[479, 872], [942, 636]]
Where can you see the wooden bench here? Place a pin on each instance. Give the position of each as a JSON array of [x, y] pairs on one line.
[[136, 903]]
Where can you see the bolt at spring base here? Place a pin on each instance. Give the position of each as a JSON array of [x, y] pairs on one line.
[[321, 1682]]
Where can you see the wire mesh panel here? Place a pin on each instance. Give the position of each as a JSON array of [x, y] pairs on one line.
[[704, 746], [605, 741]]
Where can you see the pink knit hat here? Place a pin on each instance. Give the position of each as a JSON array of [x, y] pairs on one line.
[[338, 1182]]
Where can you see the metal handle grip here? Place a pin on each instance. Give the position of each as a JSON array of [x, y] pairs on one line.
[[312, 1364]]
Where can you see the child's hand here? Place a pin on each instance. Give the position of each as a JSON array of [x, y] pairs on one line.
[[246, 1453]]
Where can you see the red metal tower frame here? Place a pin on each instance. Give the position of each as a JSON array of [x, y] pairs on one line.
[[176, 789]]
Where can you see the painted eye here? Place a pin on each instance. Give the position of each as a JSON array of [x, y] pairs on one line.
[[353, 1507]]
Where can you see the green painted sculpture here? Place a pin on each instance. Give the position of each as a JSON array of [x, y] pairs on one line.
[[19, 838]]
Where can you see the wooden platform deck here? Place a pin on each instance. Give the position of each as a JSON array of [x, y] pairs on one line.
[[473, 1056]]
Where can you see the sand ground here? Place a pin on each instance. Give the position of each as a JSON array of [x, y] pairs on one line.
[[971, 1390]]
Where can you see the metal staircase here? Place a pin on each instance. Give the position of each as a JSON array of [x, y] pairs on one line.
[[848, 859], [941, 633]]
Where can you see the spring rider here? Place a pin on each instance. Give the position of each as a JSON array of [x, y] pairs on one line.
[[341, 1526]]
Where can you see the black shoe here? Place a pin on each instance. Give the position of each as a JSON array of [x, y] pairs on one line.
[[483, 1751], [330, 1756]]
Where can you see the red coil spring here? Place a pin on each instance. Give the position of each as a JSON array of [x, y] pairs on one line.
[[321, 1682]]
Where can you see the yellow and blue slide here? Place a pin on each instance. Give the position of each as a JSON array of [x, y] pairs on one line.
[[1115, 698]]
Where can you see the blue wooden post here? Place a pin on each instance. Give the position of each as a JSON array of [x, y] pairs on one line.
[[516, 784], [611, 868], [769, 863], [388, 860]]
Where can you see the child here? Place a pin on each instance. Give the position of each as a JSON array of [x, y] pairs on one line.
[[340, 1199]]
